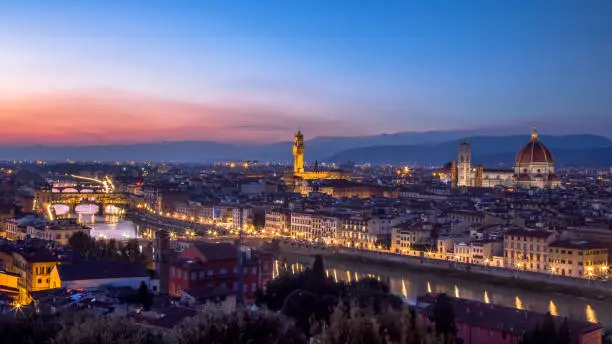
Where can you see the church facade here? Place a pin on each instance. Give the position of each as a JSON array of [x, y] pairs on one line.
[[533, 167]]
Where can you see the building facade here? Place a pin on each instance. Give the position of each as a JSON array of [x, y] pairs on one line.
[[278, 222], [578, 259], [527, 250], [59, 233], [215, 267], [403, 238]]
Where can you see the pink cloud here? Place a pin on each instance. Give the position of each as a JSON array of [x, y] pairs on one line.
[[115, 117]]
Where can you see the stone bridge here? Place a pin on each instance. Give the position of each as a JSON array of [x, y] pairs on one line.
[[83, 202]]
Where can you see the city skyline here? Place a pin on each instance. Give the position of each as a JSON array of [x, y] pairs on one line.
[[116, 72]]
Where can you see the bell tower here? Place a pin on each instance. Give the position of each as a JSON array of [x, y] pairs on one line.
[[298, 153], [465, 165]]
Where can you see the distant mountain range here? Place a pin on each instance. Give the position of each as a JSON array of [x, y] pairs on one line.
[[428, 148], [583, 150]]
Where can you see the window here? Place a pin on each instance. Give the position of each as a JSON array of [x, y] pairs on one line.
[[194, 275], [210, 273], [254, 270], [39, 280], [254, 287], [223, 271]]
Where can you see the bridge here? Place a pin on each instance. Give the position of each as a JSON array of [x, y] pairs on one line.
[[58, 203]]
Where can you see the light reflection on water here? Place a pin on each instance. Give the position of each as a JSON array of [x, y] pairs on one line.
[[109, 226], [409, 285]]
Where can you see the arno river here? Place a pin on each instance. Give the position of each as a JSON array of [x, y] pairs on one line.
[[411, 284]]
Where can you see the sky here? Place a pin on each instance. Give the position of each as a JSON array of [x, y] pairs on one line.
[[100, 72]]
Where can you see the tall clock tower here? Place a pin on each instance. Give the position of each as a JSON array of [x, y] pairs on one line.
[[298, 153]]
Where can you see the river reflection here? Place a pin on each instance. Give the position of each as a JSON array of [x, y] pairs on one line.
[[409, 285], [109, 226]]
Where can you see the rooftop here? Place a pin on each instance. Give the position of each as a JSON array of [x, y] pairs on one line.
[[579, 245], [528, 233], [502, 318], [91, 270]]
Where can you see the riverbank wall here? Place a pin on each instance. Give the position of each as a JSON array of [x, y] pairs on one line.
[[592, 289]]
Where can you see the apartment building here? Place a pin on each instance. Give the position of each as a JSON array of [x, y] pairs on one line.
[[579, 259], [278, 222], [527, 249]]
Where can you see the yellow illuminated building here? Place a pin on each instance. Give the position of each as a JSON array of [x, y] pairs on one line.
[[298, 153], [578, 259], [300, 174]]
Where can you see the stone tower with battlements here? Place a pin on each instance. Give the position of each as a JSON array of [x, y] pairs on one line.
[[298, 153]]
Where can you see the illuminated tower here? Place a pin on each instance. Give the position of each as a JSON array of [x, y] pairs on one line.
[[298, 153], [465, 165]]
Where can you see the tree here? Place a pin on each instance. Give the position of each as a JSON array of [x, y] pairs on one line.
[[546, 333], [318, 269], [80, 242], [443, 316], [242, 327], [259, 219], [101, 330], [564, 333], [549, 331], [131, 251], [144, 297], [354, 325]]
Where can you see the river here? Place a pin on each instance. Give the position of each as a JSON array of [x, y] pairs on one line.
[[411, 284]]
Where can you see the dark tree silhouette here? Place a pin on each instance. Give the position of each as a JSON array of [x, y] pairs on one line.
[[80, 242], [443, 317], [318, 270], [144, 297], [549, 331], [564, 333]]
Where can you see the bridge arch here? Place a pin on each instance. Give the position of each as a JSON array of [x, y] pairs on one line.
[[112, 209], [61, 209], [87, 208]]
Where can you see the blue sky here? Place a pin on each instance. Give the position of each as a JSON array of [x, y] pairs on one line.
[[333, 67]]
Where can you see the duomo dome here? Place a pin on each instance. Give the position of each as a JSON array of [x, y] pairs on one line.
[[534, 165]]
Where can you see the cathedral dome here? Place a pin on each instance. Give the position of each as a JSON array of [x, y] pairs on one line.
[[534, 152]]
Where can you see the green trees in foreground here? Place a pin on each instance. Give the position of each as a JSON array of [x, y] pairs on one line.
[[296, 309]]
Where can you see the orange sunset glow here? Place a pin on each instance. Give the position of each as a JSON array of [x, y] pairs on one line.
[[113, 117]]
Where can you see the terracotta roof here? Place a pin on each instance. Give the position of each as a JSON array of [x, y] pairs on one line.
[[91, 270], [580, 245], [505, 319], [534, 152], [221, 251], [527, 233]]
